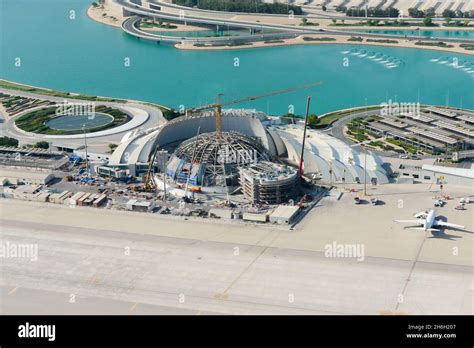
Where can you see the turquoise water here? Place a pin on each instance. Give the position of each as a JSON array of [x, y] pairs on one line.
[[463, 34], [87, 57], [69, 123]]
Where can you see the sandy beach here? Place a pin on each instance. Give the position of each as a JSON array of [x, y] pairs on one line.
[[109, 13]]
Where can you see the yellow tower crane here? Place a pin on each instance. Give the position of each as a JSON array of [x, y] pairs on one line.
[[218, 105], [149, 184]]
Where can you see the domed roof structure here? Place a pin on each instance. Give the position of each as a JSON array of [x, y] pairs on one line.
[[211, 160]]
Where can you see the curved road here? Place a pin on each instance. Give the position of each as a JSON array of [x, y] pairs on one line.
[[337, 131], [7, 127], [184, 17], [130, 26]]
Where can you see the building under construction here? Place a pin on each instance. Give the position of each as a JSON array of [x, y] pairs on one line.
[[211, 160], [269, 183]]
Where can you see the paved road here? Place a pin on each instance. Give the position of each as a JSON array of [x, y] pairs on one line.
[[314, 12], [190, 15], [95, 144], [130, 26]]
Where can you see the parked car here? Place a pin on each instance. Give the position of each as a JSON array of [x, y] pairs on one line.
[[415, 157], [357, 200], [404, 156], [439, 203], [374, 201]]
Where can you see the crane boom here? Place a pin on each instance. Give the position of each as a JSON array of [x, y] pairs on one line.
[[218, 105], [251, 98], [281, 91]]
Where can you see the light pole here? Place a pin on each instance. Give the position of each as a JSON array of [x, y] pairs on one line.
[[330, 173], [304, 136], [85, 144], [344, 180], [365, 172]]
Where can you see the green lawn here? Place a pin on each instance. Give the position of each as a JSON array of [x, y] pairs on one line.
[[35, 121], [333, 117], [49, 92]]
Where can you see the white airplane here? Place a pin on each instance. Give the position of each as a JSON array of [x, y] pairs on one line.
[[428, 221]]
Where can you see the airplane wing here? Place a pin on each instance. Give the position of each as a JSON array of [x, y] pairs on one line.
[[417, 221], [422, 229], [446, 224]]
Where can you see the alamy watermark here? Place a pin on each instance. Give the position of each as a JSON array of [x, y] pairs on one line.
[[14, 250], [228, 155], [37, 331], [356, 251], [399, 109], [76, 109]]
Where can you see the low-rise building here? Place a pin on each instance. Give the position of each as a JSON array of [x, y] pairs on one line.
[[12, 176], [255, 217], [284, 214], [221, 213], [27, 192], [438, 174], [140, 206]]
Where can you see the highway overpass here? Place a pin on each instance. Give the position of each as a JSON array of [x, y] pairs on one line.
[[177, 14]]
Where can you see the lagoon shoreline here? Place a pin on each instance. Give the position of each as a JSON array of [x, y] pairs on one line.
[[110, 14]]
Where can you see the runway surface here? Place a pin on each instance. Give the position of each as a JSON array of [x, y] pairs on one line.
[[172, 266]]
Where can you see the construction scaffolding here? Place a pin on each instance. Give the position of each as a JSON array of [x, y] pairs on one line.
[[269, 183], [210, 160]]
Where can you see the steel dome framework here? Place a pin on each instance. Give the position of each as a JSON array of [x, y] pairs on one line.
[[215, 158]]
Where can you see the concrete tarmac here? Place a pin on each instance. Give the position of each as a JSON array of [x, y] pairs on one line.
[[115, 262]]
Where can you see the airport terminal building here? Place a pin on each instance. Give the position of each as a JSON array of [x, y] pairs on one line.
[[325, 157]]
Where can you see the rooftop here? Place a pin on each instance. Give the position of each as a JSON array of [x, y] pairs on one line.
[[23, 173], [285, 211]]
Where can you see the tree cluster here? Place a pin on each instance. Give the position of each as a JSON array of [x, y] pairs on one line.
[[371, 12], [249, 6], [6, 141]]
